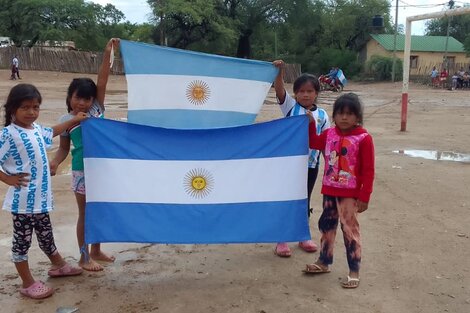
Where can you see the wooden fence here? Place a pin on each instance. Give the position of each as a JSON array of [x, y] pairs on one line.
[[423, 73], [292, 72], [49, 59]]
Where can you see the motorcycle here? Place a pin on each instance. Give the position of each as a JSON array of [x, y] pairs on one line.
[[334, 84]]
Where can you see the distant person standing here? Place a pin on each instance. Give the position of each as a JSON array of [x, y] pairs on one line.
[[15, 69], [443, 77], [434, 77]]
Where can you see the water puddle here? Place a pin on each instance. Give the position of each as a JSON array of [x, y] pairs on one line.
[[436, 155]]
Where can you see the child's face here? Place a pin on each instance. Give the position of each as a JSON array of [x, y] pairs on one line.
[[80, 104], [27, 113], [345, 120], [306, 95]]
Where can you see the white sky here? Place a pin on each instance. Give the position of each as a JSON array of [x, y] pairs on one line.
[[135, 11], [418, 7], [138, 11]]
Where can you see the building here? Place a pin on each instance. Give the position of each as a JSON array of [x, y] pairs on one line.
[[426, 51]]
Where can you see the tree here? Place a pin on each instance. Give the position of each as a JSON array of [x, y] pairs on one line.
[[90, 25], [185, 24], [459, 28], [22, 20]]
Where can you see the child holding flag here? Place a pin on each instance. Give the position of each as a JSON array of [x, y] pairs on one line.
[[348, 178], [85, 96], [24, 167], [306, 89]]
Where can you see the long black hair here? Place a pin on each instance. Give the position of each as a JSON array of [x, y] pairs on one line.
[[17, 95], [84, 87], [351, 102]]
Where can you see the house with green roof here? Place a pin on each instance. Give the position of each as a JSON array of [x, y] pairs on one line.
[[426, 51]]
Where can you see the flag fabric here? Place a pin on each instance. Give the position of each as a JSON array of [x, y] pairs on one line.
[[230, 185], [182, 89], [341, 77]]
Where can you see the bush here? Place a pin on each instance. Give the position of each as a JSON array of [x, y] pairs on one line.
[[380, 68], [322, 61]]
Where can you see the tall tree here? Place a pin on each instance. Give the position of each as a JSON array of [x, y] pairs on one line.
[[183, 24], [459, 28], [22, 20]]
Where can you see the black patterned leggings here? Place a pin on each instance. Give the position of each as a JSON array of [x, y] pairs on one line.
[[23, 226]]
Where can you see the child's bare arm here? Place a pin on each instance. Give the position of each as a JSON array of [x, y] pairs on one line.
[[103, 73], [18, 180], [60, 128], [60, 155], [279, 81]]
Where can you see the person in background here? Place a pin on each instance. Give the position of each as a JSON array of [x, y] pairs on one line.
[[443, 77], [434, 77], [15, 68]]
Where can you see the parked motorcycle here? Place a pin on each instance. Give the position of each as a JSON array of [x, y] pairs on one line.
[[335, 84]]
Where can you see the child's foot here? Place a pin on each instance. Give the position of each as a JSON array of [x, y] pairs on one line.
[[352, 282], [65, 270], [282, 250], [316, 268], [90, 265], [101, 257], [38, 290], [308, 246]]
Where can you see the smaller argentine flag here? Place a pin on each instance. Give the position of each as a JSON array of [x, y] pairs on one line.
[[183, 89], [231, 185], [341, 77]]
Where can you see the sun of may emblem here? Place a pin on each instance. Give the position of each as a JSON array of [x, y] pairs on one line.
[[198, 92], [198, 183]]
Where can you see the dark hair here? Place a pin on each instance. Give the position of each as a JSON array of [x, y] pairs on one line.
[[84, 87], [305, 78], [351, 102], [17, 95]]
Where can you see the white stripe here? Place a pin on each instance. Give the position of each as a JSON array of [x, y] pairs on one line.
[[234, 181], [150, 92]]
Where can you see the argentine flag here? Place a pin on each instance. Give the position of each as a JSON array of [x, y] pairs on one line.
[[183, 89], [341, 77], [230, 185]]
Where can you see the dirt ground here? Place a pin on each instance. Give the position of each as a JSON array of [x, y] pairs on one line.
[[416, 233]]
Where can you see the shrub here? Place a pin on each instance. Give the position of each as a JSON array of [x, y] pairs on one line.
[[380, 68]]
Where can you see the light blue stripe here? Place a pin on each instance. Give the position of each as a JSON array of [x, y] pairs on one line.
[[321, 117], [141, 58], [118, 140], [189, 119], [184, 224]]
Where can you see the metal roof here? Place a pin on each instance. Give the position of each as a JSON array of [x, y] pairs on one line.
[[420, 43]]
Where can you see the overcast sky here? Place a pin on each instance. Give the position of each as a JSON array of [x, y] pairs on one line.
[[138, 11]]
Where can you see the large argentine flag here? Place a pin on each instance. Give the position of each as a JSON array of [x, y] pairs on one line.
[[229, 185], [183, 89]]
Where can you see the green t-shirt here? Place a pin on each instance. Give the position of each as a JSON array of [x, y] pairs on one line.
[[75, 135]]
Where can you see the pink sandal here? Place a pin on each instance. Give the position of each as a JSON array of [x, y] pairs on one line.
[[308, 246], [38, 290], [282, 250], [66, 270]]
